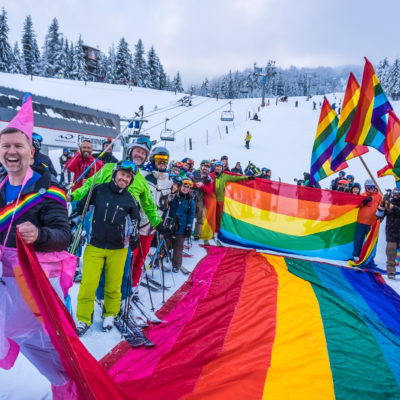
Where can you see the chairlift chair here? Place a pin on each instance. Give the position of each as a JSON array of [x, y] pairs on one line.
[[167, 134], [227, 115]]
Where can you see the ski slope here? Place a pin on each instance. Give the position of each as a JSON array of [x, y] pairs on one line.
[[282, 141]]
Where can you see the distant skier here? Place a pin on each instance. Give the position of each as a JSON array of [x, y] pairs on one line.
[[255, 117], [247, 140], [307, 182], [65, 175], [40, 159], [237, 169], [296, 103], [314, 105]]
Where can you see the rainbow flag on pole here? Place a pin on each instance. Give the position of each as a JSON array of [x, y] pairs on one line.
[[392, 147], [343, 151], [369, 125], [255, 326], [323, 144], [294, 219]]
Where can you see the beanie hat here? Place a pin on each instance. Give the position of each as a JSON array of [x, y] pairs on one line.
[[23, 121]]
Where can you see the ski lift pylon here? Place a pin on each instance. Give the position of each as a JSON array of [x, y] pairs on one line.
[[167, 134], [227, 115]]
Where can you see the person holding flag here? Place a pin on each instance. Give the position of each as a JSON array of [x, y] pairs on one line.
[[33, 206]]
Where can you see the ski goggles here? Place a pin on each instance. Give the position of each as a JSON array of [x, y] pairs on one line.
[[218, 163], [36, 136], [179, 164], [187, 183], [161, 158], [190, 161], [130, 166], [144, 141], [369, 187]]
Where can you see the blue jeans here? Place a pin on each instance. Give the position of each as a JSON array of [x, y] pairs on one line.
[[124, 284], [360, 234]]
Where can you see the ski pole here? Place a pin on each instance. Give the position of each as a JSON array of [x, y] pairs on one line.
[[103, 152], [127, 291]]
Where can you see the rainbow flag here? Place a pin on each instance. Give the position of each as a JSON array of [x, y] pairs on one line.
[[369, 124], [343, 151], [323, 144], [288, 218], [255, 326], [209, 224], [392, 147]]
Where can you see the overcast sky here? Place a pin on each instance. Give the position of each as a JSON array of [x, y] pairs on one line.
[[203, 38]]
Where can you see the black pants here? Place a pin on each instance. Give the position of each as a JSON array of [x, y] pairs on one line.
[[177, 246]]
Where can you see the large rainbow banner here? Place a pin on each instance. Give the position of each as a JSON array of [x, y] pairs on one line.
[[294, 219], [254, 326]]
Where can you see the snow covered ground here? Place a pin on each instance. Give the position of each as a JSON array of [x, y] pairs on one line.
[[282, 141]]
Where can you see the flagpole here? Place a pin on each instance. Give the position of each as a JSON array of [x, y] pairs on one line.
[[370, 174]]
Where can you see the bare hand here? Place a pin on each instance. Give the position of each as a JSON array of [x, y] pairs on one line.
[[28, 232]]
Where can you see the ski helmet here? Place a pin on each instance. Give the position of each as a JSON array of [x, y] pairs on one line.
[[65, 150], [142, 142], [342, 173], [159, 152], [356, 184], [126, 165], [176, 179], [218, 163], [37, 141], [369, 184], [350, 177], [188, 160], [205, 162]]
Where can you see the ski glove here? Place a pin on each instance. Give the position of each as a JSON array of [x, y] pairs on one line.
[[162, 229], [188, 231], [251, 178], [134, 242], [367, 200]]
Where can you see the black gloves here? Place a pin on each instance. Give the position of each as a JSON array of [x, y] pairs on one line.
[[367, 200], [251, 178], [188, 231], [162, 229], [134, 242]]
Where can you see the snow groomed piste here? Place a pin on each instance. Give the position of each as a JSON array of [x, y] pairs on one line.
[[247, 325]]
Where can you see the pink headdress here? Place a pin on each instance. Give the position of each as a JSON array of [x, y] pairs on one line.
[[23, 121]]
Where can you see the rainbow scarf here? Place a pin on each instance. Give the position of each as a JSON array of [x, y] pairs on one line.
[[28, 201], [255, 326], [288, 218]]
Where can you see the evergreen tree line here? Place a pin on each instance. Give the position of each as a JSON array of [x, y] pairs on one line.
[[389, 76], [61, 58], [277, 81]]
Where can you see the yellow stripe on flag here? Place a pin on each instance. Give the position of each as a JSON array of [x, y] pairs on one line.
[[300, 367]]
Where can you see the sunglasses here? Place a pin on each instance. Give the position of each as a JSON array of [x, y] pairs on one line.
[[207, 165], [145, 141], [129, 165]]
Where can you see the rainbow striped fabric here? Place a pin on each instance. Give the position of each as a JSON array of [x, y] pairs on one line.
[[392, 147], [288, 218], [254, 326], [27, 202], [369, 124], [343, 151], [323, 144]]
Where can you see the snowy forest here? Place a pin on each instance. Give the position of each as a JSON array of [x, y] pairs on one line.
[[62, 58]]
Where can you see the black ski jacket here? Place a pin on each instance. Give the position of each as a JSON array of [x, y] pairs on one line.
[[393, 222], [107, 158], [116, 218], [49, 216]]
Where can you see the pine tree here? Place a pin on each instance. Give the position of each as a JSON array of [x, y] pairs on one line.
[[162, 77], [69, 52], [394, 79], [139, 65], [30, 49], [153, 68], [280, 87], [6, 56], [123, 61], [52, 47], [177, 83], [204, 90], [383, 73], [17, 65], [79, 71], [110, 66], [61, 61]]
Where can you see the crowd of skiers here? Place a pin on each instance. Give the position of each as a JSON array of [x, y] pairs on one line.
[[122, 205]]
